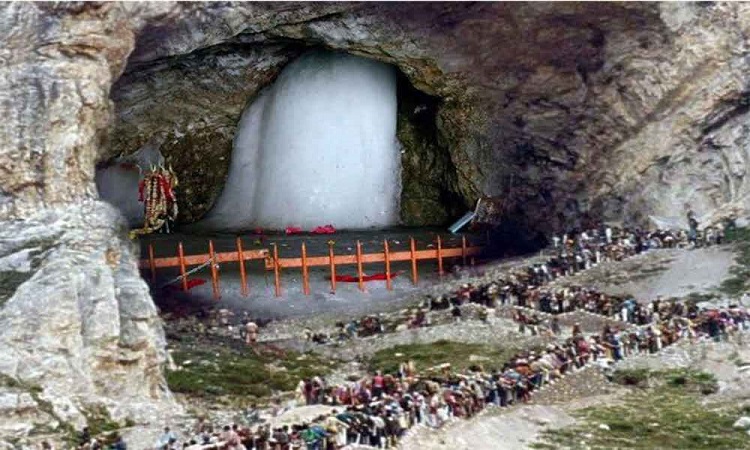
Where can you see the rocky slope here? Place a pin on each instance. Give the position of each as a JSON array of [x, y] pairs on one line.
[[607, 110], [81, 340]]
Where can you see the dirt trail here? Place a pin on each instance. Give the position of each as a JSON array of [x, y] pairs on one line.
[[669, 273], [506, 429]]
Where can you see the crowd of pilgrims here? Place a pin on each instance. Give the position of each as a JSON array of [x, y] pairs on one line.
[[377, 410], [571, 253]]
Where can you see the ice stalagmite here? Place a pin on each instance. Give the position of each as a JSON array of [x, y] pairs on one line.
[[318, 146]]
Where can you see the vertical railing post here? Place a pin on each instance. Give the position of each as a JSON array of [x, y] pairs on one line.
[[276, 270], [183, 272], [214, 269], [243, 276], [332, 263], [413, 249], [305, 279], [440, 255], [387, 254], [359, 267], [463, 249], [151, 262]]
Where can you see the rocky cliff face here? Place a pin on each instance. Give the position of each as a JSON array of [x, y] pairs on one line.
[[574, 110]]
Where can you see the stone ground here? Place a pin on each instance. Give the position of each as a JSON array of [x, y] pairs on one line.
[[262, 303], [291, 314], [498, 332]]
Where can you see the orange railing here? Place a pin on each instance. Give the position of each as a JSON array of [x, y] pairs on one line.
[[304, 262]]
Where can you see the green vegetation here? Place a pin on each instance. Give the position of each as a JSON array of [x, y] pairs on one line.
[[697, 297], [664, 410], [457, 354], [99, 421], [632, 377], [738, 282], [688, 379], [215, 371]]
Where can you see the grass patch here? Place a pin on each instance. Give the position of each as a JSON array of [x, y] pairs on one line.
[[689, 380], [457, 354], [669, 414], [214, 370], [698, 297], [632, 377], [738, 282], [99, 421]]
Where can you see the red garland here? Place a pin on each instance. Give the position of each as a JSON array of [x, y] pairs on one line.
[[163, 184], [374, 277]]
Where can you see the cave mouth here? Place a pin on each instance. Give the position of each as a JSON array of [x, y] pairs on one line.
[[334, 138]]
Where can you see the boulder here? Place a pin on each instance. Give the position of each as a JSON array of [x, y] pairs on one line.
[[743, 422]]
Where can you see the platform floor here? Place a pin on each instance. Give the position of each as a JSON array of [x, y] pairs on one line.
[[262, 302]]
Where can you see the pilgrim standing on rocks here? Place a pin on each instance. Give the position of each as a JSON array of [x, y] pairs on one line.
[[251, 333], [693, 227]]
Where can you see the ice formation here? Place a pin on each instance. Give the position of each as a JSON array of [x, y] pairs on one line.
[[117, 183], [318, 146]]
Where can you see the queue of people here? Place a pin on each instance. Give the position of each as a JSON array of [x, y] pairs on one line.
[[525, 287], [379, 409], [573, 252]]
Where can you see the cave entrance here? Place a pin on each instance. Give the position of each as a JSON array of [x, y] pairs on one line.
[[336, 139]]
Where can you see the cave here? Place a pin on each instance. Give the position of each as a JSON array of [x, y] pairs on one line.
[[299, 136], [329, 138]]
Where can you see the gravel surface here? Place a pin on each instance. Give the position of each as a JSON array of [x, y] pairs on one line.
[[665, 272], [262, 301]]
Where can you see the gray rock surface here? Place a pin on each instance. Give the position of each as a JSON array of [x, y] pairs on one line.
[[664, 272], [500, 332], [79, 333], [622, 111]]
